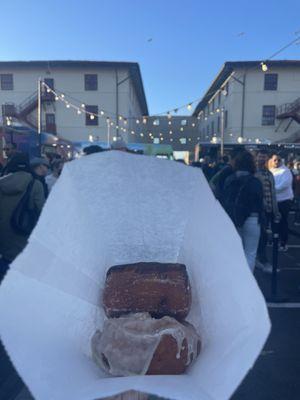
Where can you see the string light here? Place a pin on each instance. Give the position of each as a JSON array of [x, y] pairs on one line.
[[92, 116], [120, 117], [62, 95], [169, 115], [193, 125], [132, 132], [144, 120], [68, 105], [264, 67], [56, 98], [101, 112], [83, 105], [181, 129], [189, 106], [170, 123], [125, 121], [137, 121], [170, 132], [78, 111], [141, 134]]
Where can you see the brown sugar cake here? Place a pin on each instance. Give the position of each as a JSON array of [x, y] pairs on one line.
[[138, 344], [158, 288]]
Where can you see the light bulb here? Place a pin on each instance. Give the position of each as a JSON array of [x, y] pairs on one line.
[[189, 106], [132, 132], [144, 120], [48, 90], [264, 67], [169, 115], [137, 121], [120, 117], [78, 112], [181, 129], [68, 105], [193, 125], [56, 98], [111, 124], [141, 134], [82, 105], [170, 132], [170, 123], [92, 116], [101, 112], [62, 95], [240, 139], [125, 121]]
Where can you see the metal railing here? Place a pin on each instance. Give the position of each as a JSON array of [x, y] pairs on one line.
[[289, 108]]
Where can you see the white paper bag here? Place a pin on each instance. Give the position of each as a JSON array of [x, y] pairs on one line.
[[116, 208]]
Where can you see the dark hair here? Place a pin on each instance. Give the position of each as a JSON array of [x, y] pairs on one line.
[[56, 163], [263, 151], [19, 162], [235, 151], [94, 148], [225, 159], [244, 161]]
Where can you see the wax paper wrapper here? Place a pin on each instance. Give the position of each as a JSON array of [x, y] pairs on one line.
[[116, 208]]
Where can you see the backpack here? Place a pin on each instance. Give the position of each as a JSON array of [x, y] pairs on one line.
[[24, 219], [235, 199]]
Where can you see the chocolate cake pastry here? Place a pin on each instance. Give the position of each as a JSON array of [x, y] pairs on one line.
[[138, 344], [158, 288]]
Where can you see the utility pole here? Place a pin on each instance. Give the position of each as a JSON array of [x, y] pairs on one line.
[[222, 131], [108, 132], [39, 116]]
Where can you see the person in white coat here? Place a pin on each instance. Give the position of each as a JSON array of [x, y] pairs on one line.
[[284, 194]]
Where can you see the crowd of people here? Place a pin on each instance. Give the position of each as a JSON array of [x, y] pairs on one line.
[[257, 191], [24, 187]]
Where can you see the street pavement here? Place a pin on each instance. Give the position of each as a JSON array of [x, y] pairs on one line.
[[276, 373]]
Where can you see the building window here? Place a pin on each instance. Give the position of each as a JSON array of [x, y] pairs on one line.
[[268, 115], [91, 119], [183, 122], [219, 98], [91, 82], [182, 140], [213, 105], [225, 119], [156, 122], [207, 130], [219, 124], [156, 140], [212, 127], [271, 81], [7, 82]]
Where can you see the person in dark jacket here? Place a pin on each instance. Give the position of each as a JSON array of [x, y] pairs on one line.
[[10, 150], [12, 188], [243, 201], [217, 181], [40, 169]]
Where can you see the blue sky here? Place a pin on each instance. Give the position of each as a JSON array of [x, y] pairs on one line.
[[191, 39]]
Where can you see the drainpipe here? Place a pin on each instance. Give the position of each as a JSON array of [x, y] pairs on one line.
[[243, 105]]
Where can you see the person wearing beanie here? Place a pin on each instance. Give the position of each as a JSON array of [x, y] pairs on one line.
[[40, 169], [12, 188]]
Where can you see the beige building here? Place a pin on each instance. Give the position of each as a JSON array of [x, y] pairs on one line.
[[179, 131], [255, 102], [112, 90]]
